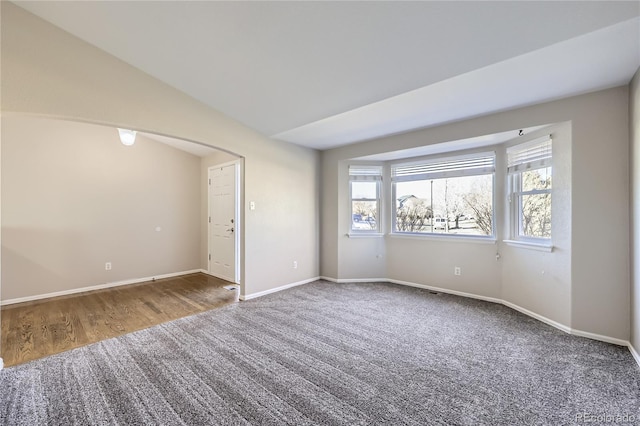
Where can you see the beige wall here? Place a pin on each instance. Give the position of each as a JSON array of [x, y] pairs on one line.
[[584, 288], [634, 119], [329, 229], [74, 198], [48, 72], [600, 189]]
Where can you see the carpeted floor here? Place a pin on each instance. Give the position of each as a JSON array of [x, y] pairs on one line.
[[333, 354]]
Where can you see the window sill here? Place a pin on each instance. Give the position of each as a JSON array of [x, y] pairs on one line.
[[365, 235], [529, 245], [446, 238]]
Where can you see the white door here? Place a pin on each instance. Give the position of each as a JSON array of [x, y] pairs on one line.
[[223, 218]]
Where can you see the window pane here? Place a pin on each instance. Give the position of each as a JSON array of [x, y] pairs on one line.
[[536, 179], [363, 215], [461, 205], [413, 206], [536, 215], [365, 190]]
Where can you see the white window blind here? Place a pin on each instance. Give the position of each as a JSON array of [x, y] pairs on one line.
[[477, 164], [365, 172], [530, 155]]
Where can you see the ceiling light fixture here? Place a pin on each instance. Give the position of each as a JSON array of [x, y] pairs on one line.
[[127, 137]]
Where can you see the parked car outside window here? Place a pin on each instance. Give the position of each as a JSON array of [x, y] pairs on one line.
[[439, 223]]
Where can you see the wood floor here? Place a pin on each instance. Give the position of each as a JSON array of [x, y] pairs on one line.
[[33, 330]]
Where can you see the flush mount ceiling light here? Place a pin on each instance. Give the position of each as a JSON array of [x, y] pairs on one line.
[[127, 137]]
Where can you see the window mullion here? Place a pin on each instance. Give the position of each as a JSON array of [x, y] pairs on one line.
[[533, 192]]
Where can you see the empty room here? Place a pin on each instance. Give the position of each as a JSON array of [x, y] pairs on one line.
[[332, 213]]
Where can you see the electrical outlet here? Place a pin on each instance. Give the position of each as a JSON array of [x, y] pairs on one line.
[[107, 266], [457, 271], [295, 264]]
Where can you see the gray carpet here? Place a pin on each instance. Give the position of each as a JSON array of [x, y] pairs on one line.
[[332, 354]]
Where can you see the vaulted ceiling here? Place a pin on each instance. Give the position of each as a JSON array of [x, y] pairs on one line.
[[326, 74]]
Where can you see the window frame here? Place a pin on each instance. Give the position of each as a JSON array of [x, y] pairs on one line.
[[366, 173], [426, 163], [535, 154]]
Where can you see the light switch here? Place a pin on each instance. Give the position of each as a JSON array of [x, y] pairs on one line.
[[252, 205]]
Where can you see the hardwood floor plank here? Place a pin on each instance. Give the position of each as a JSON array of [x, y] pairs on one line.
[[25, 334], [32, 330], [43, 342]]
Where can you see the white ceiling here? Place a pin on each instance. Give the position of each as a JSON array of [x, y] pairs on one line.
[[325, 74]]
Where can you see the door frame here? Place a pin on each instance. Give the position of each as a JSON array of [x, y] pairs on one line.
[[236, 220]]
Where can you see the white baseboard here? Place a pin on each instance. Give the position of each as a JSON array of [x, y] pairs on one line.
[[506, 303], [95, 287], [410, 284], [525, 311], [511, 305], [539, 317], [634, 353], [446, 290], [362, 280], [1, 364], [600, 337], [275, 290]]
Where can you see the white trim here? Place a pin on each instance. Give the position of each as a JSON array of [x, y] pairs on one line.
[[1, 364], [410, 284], [277, 289], [506, 303], [446, 290], [529, 245], [95, 287], [364, 234], [633, 351], [539, 317], [453, 238], [520, 309], [362, 280], [600, 337]]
